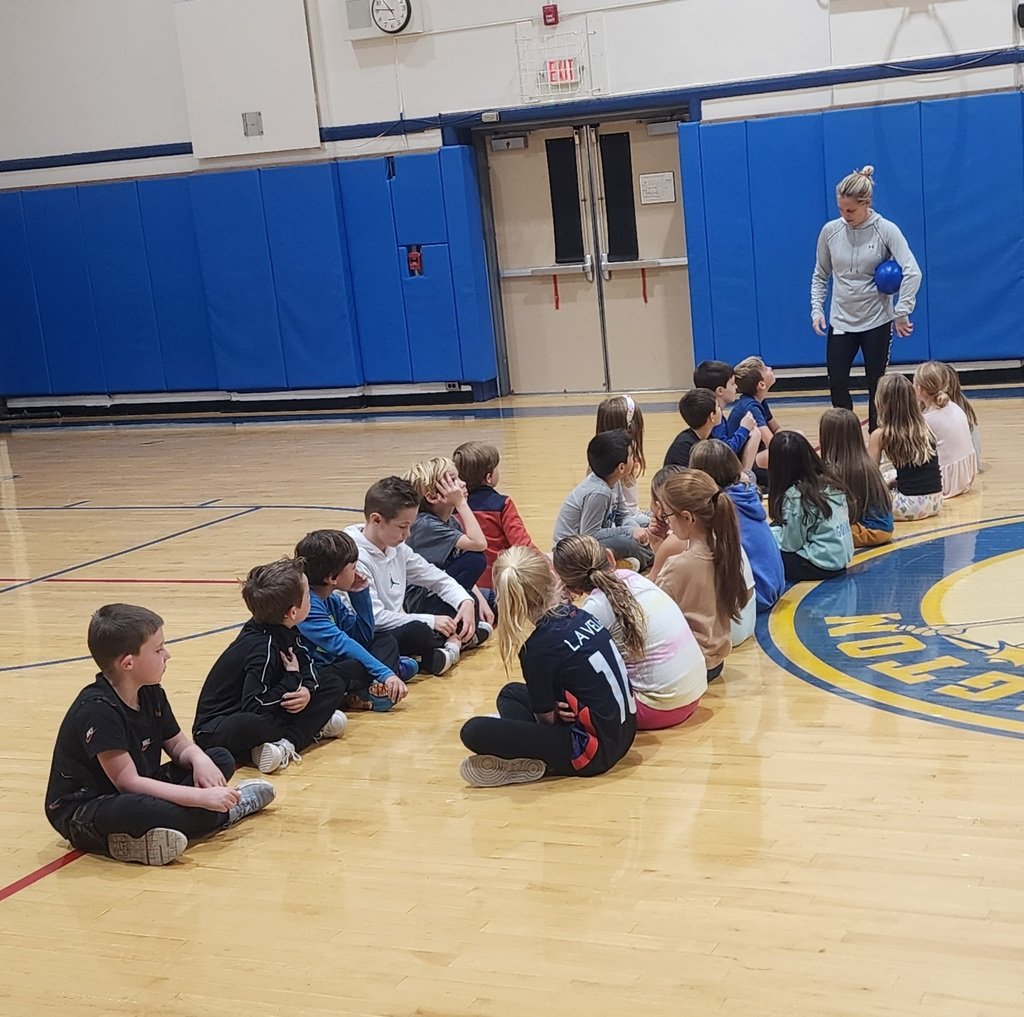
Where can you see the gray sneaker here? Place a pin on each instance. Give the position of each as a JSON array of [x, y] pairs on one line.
[[493, 771], [155, 847], [256, 795]]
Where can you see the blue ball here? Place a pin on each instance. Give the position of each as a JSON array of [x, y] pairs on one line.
[[889, 276]]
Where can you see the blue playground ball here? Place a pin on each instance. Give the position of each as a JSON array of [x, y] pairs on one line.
[[889, 276]]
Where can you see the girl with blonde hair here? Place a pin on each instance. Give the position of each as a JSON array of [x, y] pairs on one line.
[[958, 460], [904, 438], [575, 716], [663, 661], [705, 579], [621, 413], [956, 393], [867, 494]]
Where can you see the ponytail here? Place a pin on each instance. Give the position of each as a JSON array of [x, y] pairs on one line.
[[730, 587], [525, 590]]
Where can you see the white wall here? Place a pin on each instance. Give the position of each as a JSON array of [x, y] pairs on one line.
[[82, 76]]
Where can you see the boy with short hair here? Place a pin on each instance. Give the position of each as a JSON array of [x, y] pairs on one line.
[[700, 409], [341, 639], [753, 380], [596, 507], [264, 699], [390, 508], [448, 535], [108, 792], [719, 377], [503, 527]]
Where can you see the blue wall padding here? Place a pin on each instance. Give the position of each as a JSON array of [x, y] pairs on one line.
[[698, 272], [730, 241], [468, 263], [232, 239], [61, 275], [418, 201], [317, 330], [376, 278], [430, 318], [122, 298], [176, 279], [786, 152], [23, 360], [888, 138], [974, 202]]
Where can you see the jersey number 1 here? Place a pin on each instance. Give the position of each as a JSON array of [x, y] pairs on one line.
[[617, 680]]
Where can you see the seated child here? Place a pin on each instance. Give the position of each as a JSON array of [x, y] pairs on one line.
[[867, 494], [390, 507], [956, 393], [663, 661], [596, 506], [264, 699], [448, 535], [753, 380], [809, 512], [720, 378], [951, 427], [477, 463], [340, 640], [107, 791], [700, 409], [575, 716], [719, 462], [622, 413]]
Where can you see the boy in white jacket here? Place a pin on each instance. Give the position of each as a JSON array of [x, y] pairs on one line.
[[392, 566]]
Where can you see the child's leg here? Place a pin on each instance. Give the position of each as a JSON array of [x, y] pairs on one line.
[[302, 729], [649, 719], [466, 568], [240, 733], [798, 569], [417, 639], [174, 774], [626, 547], [908, 507]]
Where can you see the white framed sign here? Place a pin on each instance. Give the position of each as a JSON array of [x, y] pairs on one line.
[[657, 188]]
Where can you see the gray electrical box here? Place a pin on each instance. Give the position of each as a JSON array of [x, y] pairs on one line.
[[252, 124]]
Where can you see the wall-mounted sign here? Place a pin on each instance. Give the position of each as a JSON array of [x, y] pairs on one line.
[[657, 188]]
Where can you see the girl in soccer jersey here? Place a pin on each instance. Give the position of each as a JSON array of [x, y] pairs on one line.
[[575, 716]]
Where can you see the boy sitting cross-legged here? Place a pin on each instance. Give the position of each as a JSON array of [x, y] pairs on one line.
[[390, 507], [340, 638], [264, 699], [720, 378], [753, 380], [107, 791]]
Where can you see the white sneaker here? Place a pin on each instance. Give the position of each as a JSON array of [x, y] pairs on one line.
[[480, 636], [256, 795], [493, 771], [335, 727], [446, 657], [271, 756], [155, 847]]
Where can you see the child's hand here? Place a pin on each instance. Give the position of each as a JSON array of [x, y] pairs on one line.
[[748, 421], [641, 536], [444, 625], [288, 658], [450, 491], [565, 712], [397, 689], [218, 799], [359, 583], [657, 529], [465, 621], [206, 773], [297, 701]]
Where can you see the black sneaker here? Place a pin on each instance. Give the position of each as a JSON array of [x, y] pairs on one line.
[[480, 636]]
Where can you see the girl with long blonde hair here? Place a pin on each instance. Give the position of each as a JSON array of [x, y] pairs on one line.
[[575, 715], [950, 426], [663, 661], [903, 437], [956, 393], [706, 579]]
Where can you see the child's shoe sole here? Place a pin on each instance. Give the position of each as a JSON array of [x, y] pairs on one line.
[[155, 847], [493, 771]]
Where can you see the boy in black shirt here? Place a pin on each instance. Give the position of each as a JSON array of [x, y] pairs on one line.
[[264, 699], [107, 791], [700, 409]]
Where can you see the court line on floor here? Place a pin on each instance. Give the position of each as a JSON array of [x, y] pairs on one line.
[[156, 582], [171, 508], [41, 873], [128, 550]]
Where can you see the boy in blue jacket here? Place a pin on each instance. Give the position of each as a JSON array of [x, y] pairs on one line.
[[341, 639]]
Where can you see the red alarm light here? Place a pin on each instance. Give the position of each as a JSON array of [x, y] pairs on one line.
[[550, 12]]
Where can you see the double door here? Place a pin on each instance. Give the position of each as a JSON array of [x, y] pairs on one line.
[[591, 249]]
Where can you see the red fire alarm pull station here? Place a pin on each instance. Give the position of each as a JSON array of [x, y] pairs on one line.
[[550, 14]]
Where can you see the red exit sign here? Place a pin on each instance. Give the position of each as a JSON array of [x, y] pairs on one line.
[[562, 71]]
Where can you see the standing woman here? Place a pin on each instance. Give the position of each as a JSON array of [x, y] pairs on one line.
[[850, 248]]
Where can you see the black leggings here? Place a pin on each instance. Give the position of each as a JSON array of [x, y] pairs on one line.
[[799, 569], [517, 734], [240, 733], [875, 344], [92, 823], [352, 675]]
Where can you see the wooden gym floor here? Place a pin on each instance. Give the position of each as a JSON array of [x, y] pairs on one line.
[[818, 840]]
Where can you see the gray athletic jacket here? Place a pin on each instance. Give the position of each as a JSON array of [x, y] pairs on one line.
[[850, 255]]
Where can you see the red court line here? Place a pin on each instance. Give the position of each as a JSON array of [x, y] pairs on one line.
[[159, 582], [33, 877]]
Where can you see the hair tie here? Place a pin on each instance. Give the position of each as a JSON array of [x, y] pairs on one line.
[[714, 498], [630, 409]]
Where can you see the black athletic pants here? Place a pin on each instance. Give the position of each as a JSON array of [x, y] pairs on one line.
[[799, 569], [518, 734], [351, 673], [92, 823], [875, 343], [240, 733], [420, 640]]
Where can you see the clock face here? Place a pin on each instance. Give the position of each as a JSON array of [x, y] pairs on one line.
[[391, 16]]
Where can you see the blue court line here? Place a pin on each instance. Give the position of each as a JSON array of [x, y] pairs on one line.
[[127, 550], [72, 660]]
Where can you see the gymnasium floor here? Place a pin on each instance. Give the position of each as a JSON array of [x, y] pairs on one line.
[[836, 832]]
